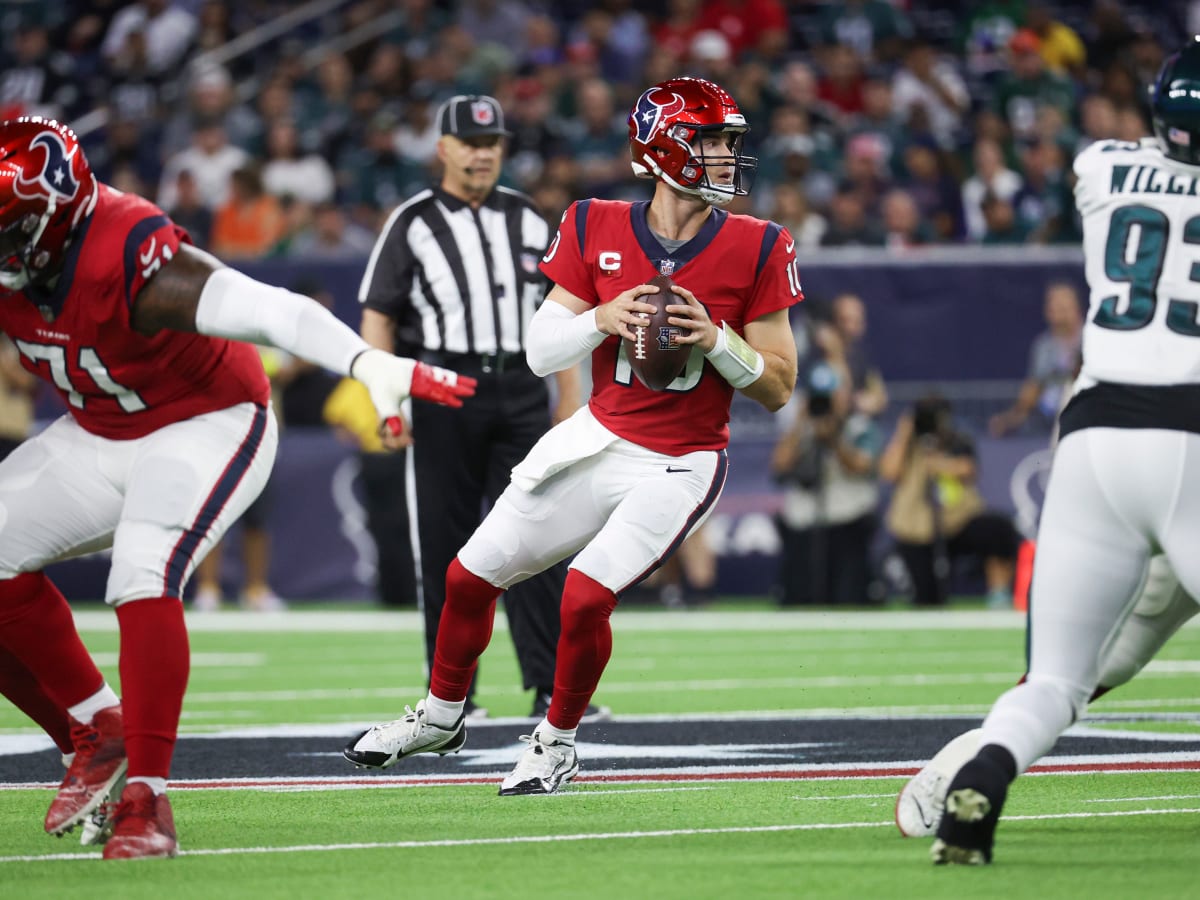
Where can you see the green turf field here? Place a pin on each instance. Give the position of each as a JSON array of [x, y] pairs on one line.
[[1127, 834]]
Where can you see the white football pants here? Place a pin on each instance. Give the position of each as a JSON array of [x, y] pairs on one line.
[[1115, 497], [161, 502]]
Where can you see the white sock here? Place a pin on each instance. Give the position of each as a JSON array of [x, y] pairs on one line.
[[443, 713], [548, 734], [86, 710], [158, 785]]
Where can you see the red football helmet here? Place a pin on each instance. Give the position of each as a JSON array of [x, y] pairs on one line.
[[665, 127], [46, 189]]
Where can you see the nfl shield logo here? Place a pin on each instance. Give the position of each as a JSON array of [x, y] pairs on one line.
[[482, 113], [666, 267], [529, 262]]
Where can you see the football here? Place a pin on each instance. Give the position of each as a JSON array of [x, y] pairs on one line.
[[656, 357]]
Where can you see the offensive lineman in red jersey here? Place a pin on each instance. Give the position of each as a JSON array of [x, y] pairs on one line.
[[167, 441], [623, 481]]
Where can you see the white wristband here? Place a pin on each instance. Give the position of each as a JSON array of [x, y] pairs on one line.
[[235, 306], [739, 363], [558, 338]]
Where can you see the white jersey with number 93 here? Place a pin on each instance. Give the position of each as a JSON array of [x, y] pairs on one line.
[[1141, 239]]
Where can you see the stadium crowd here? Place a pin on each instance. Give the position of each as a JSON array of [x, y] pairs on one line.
[[875, 123]]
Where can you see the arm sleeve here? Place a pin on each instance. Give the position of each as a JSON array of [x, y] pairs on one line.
[[558, 338], [235, 306]]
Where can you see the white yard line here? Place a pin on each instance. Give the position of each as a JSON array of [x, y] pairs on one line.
[[568, 838], [357, 620]]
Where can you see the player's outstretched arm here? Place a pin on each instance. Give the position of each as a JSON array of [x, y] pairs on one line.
[[195, 292]]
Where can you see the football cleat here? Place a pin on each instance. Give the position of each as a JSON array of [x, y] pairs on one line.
[[143, 826], [921, 802], [972, 809], [97, 827], [98, 764], [384, 745], [593, 713], [542, 768]]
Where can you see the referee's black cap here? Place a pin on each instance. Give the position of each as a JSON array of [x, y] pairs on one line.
[[472, 115]]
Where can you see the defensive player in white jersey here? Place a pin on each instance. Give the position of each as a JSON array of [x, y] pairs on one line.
[[1122, 483]]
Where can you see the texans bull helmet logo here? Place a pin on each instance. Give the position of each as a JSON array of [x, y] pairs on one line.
[[653, 107], [54, 176]]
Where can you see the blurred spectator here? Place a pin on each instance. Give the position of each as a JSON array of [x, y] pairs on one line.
[[421, 21], [166, 28], [712, 58], [673, 33], [37, 79], [500, 22], [826, 464], [1131, 124], [1054, 359], [126, 144], [1062, 49], [873, 29], [791, 210], [332, 236], [599, 140], [551, 199], [290, 171], [17, 387], [934, 190], [903, 227], [849, 225], [987, 28], [417, 133], [793, 154], [936, 514], [1028, 84], [536, 134], [1044, 202], [375, 177], [329, 113], [1109, 34], [214, 27], [864, 382], [840, 86], [210, 158], [867, 171], [190, 212], [1097, 121], [992, 177], [878, 118], [249, 223], [620, 38], [758, 27], [210, 97], [931, 84], [1000, 223], [796, 86]]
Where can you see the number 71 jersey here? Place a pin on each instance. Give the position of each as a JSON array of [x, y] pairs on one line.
[[116, 382], [739, 267], [1141, 241]]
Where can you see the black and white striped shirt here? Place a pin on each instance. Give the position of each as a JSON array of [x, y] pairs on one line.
[[456, 279]]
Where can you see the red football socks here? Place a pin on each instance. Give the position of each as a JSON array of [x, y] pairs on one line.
[[20, 686], [36, 627], [464, 631], [584, 647], [154, 673]]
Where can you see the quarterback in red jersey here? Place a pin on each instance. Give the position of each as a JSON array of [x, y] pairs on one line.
[[623, 481], [167, 440]]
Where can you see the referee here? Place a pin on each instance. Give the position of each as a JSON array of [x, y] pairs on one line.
[[453, 280]]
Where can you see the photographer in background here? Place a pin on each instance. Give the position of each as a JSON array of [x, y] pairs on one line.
[[937, 514], [826, 463]]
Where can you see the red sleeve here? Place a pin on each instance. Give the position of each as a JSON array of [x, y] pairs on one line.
[[151, 241], [563, 263], [778, 283]]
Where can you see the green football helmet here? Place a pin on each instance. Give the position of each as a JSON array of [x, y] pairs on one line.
[[1175, 105]]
